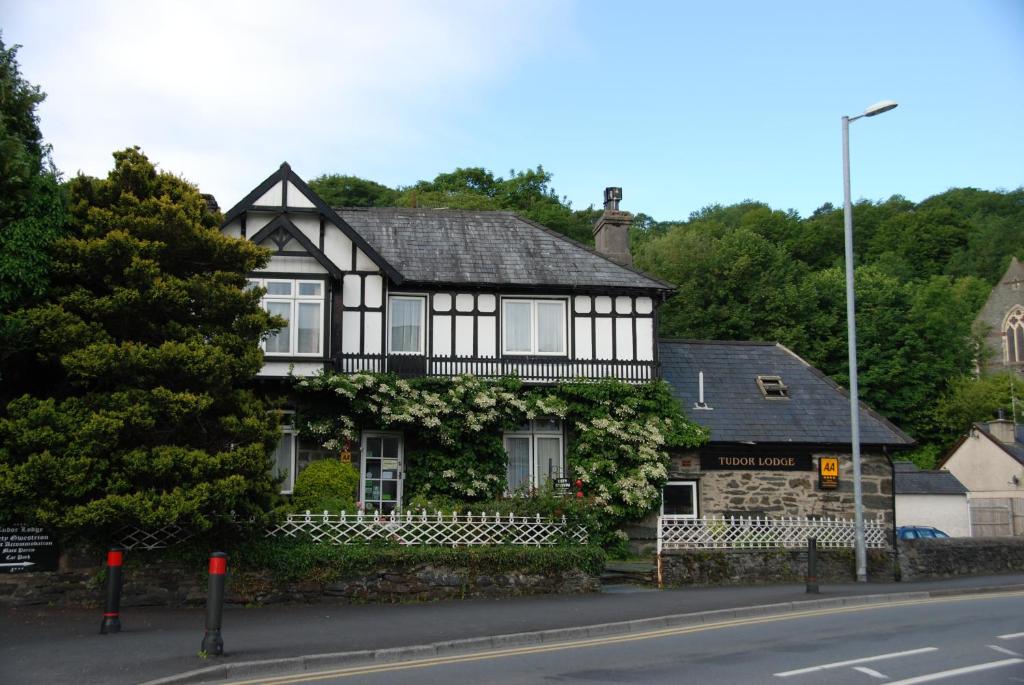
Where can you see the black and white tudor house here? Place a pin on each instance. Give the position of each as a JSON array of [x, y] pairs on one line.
[[444, 292]]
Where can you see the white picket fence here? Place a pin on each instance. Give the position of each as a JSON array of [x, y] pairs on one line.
[[681, 532], [449, 530]]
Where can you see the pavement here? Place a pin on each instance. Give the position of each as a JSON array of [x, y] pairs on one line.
[[161, 645]]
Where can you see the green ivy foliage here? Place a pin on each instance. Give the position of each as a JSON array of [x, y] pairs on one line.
[[619, 433], [126, 408]]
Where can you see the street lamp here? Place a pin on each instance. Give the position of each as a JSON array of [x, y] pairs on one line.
[[851, 335]]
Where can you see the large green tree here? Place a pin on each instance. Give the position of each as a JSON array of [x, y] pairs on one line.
[[128, 410], [31, 208]]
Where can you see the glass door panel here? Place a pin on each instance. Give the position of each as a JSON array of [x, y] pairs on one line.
[[382, 472]]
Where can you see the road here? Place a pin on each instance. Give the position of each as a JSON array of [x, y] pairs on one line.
[[975, 639]]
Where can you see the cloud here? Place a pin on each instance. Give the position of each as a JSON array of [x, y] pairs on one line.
[[221, 92]]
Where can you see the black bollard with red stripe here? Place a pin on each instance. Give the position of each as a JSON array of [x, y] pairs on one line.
[[112, 613], [213, 643]]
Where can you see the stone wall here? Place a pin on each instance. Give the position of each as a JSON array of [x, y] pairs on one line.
[[171, 583], [767, 566], [953, 557], [796, 493], [777, 494]]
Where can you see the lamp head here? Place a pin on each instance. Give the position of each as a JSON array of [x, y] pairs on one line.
[[879, 108]]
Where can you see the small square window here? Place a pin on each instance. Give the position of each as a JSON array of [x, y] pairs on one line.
[[772, 387]]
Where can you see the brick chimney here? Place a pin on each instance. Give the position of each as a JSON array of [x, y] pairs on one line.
[[1002, 429], [611, 232]]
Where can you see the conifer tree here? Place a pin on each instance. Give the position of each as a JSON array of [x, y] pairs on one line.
[[133, 410]]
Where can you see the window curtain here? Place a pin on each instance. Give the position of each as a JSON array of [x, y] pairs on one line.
[[406, 322], [549, 327], [518, 449], [518, 335], [309, 328], [283, 461], [549, 459], [280, 342]]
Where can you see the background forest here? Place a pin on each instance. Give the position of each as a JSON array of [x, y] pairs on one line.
[[750, 272]]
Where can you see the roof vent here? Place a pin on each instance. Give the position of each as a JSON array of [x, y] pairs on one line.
[[773, 388]]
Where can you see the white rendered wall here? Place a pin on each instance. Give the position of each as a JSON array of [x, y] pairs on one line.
[[948, 513], [983, 467]]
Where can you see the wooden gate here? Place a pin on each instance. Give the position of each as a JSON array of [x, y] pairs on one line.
[[997, 516]]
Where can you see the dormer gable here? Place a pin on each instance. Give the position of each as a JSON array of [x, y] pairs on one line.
[[284, 214]]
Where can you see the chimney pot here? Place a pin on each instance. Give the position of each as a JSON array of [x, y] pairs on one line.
[[612, 196]]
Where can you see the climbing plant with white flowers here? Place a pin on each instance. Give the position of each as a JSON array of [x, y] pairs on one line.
[[619, 434]]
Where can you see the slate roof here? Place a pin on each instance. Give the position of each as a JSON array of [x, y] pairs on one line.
[[487, 247], [817, 411], [910, 480]]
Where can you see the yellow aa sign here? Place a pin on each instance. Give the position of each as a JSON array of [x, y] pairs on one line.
[[828, 473]]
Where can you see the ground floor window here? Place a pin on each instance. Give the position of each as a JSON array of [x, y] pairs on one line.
[[293, 454], [380, 472], [679, 498], [536, 454]]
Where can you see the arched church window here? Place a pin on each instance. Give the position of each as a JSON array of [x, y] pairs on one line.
[[1013, 332]]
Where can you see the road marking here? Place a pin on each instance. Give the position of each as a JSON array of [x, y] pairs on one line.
[[871, 672], [596, 642], [942, 675], [851, 662], [1004, 650], [1010, 636]]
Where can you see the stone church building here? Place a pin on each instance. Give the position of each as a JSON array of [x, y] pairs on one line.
[[1001, 321]]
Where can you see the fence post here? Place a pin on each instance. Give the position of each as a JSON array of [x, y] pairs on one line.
[[112, 612], [812, 566], [213, 643], [661, 581]]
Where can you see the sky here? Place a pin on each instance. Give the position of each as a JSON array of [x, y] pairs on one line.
[[682, 104]]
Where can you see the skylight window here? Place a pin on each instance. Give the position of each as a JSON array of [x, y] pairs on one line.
[[772, 387]]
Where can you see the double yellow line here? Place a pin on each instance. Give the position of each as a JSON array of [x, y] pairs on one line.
[[599, 641]]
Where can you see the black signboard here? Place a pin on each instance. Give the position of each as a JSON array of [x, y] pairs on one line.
[[25, 549], [716, 462], [563, 487]]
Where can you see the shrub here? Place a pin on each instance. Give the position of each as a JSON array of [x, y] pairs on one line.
[[297, 560], [326, 485]]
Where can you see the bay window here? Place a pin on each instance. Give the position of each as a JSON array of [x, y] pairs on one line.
[[534, 327], [301, 305]]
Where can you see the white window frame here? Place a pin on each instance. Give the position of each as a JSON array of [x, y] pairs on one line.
[[533, 434], [693, 488], [289, 434], [422, 300], [534, 329], [400, 489], [1010, 336], [293, 301]]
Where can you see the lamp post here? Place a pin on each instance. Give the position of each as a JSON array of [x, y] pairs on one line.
[[851, 335]]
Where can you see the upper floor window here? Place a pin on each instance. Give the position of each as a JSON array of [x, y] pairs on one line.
[[301, 305], [406, 332], [1014, 332], [533, 327]]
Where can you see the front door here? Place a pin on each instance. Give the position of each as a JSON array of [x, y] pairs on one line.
[[381, 471]]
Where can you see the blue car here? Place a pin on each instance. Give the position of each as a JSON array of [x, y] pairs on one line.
[[917, 532]]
